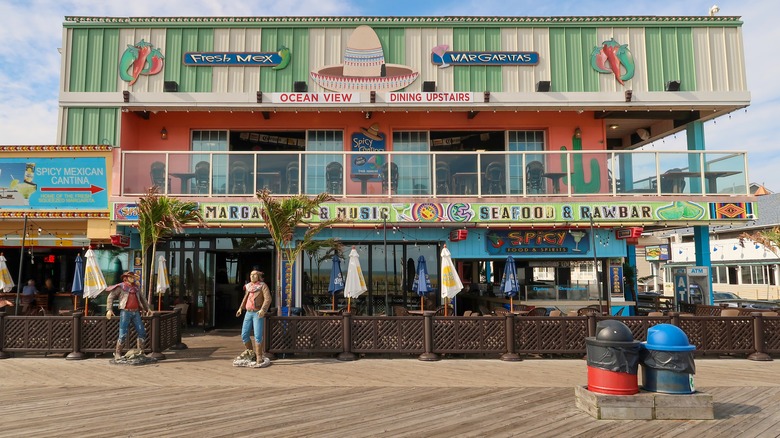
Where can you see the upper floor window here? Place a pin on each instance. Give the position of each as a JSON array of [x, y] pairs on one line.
[[324, 172]]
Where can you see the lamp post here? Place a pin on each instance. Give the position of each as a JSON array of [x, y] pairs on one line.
[[595, 258], [21, 263], [384, 226]]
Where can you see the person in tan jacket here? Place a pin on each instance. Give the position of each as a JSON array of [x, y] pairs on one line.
[[256, 301]]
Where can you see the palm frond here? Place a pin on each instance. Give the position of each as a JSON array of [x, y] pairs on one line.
[[282, 216], [161, 217], [769, 238]]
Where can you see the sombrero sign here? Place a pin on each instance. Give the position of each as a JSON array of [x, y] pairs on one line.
[[364, 67]]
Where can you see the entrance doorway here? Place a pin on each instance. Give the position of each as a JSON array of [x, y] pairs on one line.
[[209, 275], [232, 270]]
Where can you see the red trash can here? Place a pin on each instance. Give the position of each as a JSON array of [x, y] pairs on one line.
[[613, 359]]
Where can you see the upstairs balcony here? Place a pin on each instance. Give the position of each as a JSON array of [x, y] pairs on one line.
[[446, 175]]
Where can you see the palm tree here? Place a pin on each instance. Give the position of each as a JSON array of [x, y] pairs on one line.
[[282, 216], [161, 217], [769, 238]]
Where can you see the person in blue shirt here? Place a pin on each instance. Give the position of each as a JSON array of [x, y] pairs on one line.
[[28, 295]]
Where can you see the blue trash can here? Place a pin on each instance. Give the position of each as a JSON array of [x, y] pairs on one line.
[[667, 361]]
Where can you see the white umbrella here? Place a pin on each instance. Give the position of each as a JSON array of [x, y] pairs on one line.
[[450, 282], [94, 282], [162, 280], [6, 282], [355, 284]]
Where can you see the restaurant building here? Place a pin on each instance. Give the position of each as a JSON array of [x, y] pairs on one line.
[[496, 136]]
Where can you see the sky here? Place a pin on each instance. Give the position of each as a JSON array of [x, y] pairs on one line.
[[32, 31]]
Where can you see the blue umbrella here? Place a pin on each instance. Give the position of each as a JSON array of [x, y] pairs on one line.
[[422, 282], [78, 281], [336, 283], [510, 286]]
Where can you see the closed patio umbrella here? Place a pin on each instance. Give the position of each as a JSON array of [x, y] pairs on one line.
[[78, 281], [162, 280], [422, 282], [510, 286], [336, 283], [408, 277], [450, 282], [94, 282], [355, 284], [6, 282]]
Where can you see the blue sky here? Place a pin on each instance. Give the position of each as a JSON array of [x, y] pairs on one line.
[[32, 32]]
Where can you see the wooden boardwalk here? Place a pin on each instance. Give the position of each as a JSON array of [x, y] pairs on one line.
[[196, 392]]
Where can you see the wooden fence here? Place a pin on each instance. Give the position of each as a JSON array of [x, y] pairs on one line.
[[77, 335], [428, 337], [507, 337]]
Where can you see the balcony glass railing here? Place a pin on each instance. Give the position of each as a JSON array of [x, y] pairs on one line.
[[437, 174]]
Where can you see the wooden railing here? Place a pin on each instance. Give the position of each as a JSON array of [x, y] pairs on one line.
[[77, 335], [507, 337], [428, 337]]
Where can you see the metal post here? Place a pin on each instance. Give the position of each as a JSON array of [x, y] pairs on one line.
[[267, 337], [76, 333], [21, 260], [155, 334], [595, 260], [388, 310], [3, 354], [509, 329], [179, 345], [346, 333], [428, 354], [758, 339], [591, 325]]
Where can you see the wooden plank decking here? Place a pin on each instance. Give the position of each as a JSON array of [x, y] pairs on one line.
[[196, 392]]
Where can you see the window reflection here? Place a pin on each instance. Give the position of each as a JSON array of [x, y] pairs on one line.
[[395, 280]]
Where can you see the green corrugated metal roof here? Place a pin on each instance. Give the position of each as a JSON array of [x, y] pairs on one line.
[[597, 21]]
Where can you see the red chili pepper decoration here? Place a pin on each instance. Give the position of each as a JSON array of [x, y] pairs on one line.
[[495, 240], [138, 66], [157, 62]]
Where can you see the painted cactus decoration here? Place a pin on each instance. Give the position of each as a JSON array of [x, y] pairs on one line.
[[579, 185]]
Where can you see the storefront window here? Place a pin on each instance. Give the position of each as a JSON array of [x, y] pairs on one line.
[[402, 261], [759, 276], [745, 274], [733, 277]]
